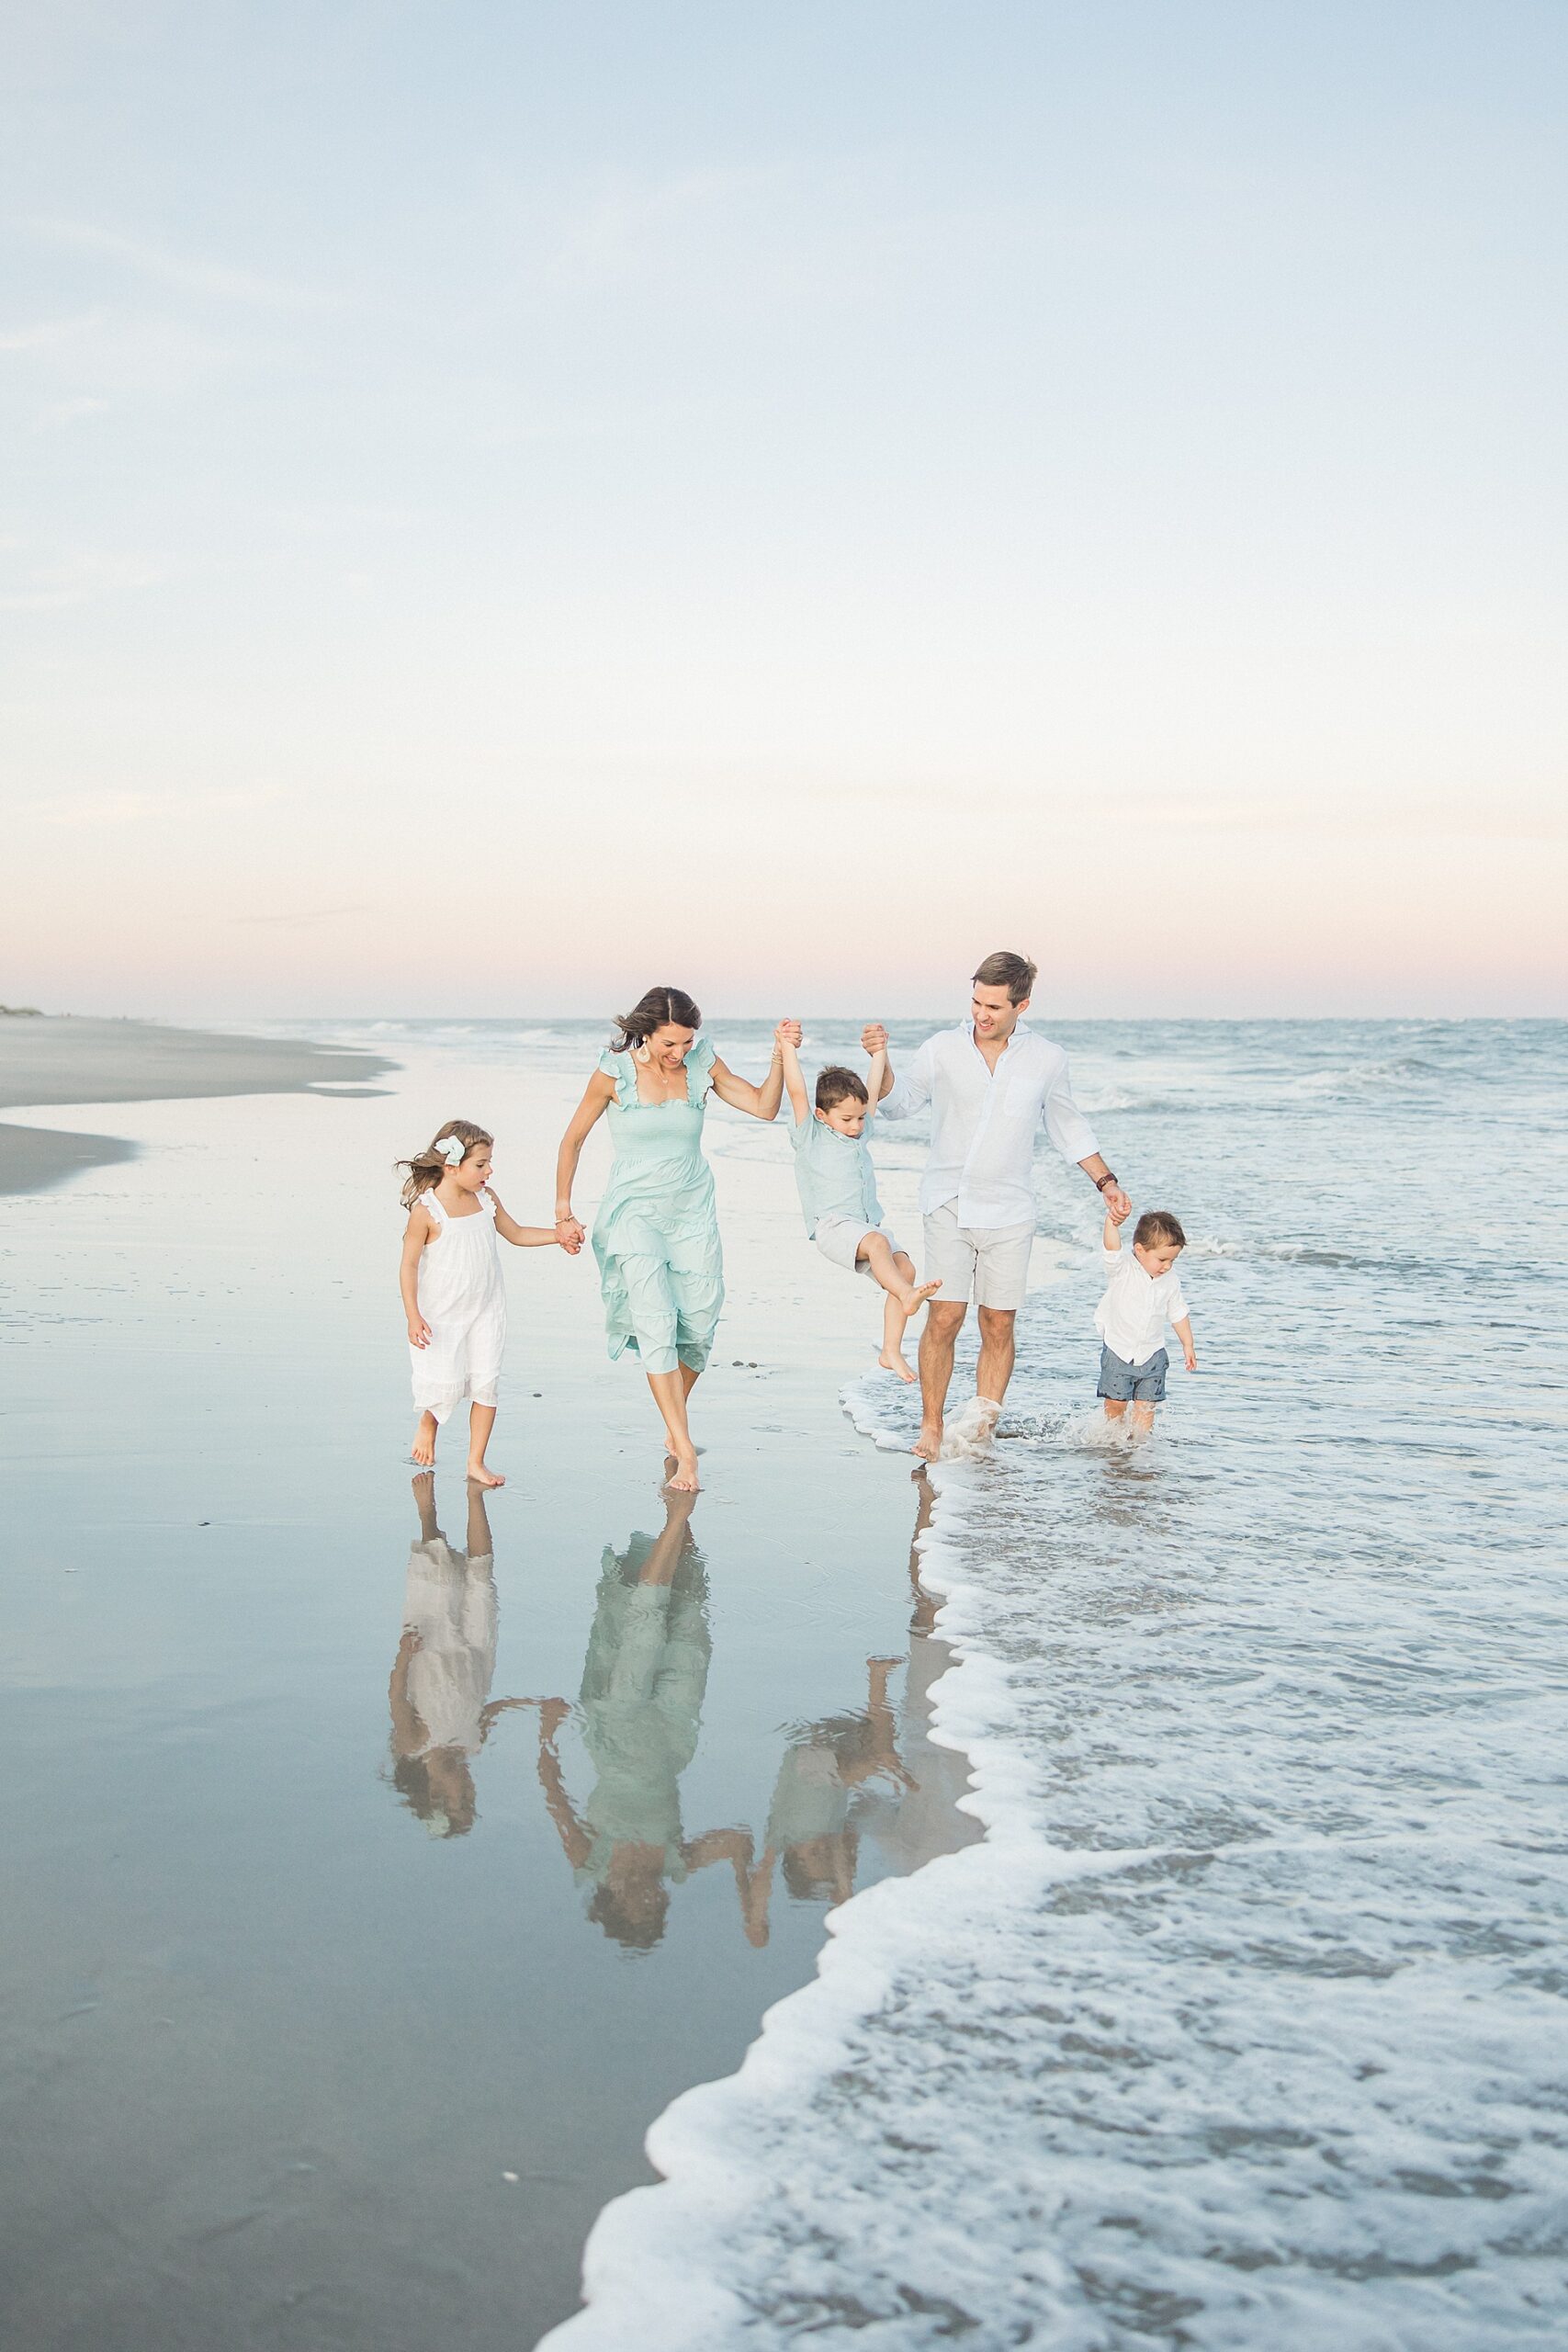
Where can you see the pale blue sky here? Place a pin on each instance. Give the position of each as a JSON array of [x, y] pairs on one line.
[[506, 504]]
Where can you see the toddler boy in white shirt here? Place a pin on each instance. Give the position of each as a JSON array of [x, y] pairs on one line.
[[1145, 1295]]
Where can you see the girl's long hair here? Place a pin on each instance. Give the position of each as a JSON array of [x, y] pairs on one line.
[[658, 1008], [427, 1168]]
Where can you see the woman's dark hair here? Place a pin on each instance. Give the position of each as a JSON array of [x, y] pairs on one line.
[[836, 1084], [659, 1009], [427, 1168]]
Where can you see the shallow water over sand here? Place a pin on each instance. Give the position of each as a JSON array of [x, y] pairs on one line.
[[1245, 2026], [342, 1978]]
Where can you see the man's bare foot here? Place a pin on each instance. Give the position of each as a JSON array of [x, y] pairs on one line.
[[684, 1479], [424, 1451], [915, 1295], [891, 1360], [928, 1445], [481, 1476]]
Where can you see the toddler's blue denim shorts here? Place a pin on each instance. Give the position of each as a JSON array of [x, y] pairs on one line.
[[1142, 1383]]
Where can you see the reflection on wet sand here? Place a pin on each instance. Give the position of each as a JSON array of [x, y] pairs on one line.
[[439, 1692], [843, 1778]]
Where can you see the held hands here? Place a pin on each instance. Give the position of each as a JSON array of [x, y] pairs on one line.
[[569, 1233], [1118, 1207], [874, 1039], [788, 1032], [419, 1331]]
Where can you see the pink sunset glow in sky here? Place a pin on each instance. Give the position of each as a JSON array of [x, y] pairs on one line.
[[519, 501]]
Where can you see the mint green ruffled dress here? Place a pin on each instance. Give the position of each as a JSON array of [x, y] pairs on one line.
[[656, 1237]]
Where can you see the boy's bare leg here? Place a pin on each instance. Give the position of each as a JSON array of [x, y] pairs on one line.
[[945, 1320], [481, 1420], [877, 1252], [895, 1272], [895, 1322], [424, 1441], [670, 1390]]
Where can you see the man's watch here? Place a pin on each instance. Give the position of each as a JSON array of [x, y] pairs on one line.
[[1109, 1178]]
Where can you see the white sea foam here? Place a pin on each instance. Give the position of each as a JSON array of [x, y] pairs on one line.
[[1244, 2026]]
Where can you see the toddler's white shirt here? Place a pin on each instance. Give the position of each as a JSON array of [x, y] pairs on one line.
[[1132, 1317]]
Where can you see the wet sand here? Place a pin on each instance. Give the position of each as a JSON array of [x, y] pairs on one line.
[[64, 1058], [370, 1891]]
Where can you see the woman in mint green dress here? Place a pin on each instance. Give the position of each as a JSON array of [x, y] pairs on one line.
[[656, 1237]]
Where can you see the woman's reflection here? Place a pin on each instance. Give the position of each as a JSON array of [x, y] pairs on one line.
[[643, 1684], [440, 1688]]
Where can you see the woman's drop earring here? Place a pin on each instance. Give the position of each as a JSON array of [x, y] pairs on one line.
[[644, 1053]]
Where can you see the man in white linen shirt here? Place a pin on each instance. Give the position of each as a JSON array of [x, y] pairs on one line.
[[989, 1084]]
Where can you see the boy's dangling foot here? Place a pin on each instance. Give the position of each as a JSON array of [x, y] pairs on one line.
[[893, 1360], [423, 1451]]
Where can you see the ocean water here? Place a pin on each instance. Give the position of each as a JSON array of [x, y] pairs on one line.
[[1244, 2026]]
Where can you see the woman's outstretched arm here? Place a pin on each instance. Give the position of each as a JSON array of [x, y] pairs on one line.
[[761, 1101], [598, 1095]]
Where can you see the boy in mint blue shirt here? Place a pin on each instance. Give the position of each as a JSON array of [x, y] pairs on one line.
[[838, 1193]]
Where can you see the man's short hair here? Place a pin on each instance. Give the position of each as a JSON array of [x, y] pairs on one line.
[[1005, 970], [835, 1084], [1157, 1225]]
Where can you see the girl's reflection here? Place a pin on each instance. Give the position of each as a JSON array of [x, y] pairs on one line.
[[643, 1685], [440, 1688]]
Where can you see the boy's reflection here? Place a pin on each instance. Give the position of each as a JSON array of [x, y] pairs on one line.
[[643, 1684], [440, 1688]]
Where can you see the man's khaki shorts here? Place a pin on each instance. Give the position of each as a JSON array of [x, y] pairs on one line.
[[987, 1264]]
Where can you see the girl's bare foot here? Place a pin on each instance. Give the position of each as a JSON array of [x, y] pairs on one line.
[[483, 1478], [928, 1445], [424, 1441], [683, 1477], [891, 1360], [915, 1297]]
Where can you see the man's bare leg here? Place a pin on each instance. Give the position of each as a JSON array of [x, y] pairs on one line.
[[895, 1272], [997, 1350], [945, 1320]]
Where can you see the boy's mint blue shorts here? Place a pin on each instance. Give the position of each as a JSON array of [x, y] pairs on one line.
[[1126, 1384]]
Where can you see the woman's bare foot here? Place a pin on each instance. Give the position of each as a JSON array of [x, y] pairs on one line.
[[483, 1478], [928, 1445], [915, 1297], [891, 1360], [684, 1478], [424, 1441]]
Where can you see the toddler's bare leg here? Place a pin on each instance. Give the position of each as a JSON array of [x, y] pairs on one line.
[[424, 1441], [481, 1420], [1116, 1409], [1142, 1419]]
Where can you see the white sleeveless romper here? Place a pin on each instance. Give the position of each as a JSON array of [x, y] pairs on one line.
[[462, 1297]]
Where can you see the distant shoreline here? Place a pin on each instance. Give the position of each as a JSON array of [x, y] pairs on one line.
[[48, 1058]]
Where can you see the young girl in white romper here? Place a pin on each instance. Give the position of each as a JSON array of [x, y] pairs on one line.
[[453, 1292]]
